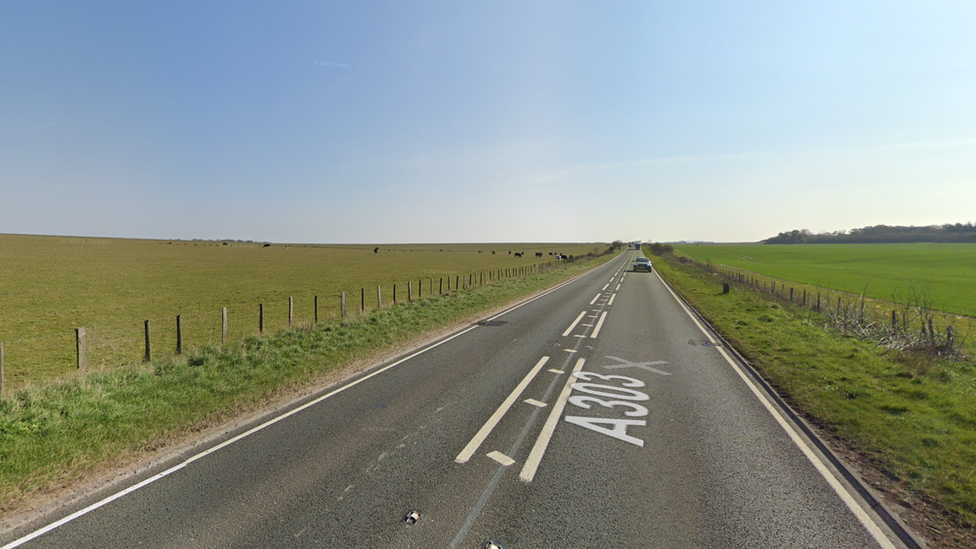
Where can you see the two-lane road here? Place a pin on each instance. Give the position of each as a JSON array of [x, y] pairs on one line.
[[598, 414]]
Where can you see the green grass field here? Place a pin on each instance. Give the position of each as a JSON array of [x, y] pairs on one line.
[[943, 275], [51, 285]]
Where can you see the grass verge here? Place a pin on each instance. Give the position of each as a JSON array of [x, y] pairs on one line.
[[52, 436], [908, 421]]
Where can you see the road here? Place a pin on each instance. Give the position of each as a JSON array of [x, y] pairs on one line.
[[598, 414]]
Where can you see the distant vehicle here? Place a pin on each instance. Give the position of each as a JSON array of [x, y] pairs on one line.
[[642, 264]]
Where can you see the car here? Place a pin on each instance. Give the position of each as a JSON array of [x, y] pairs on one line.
[[642, 264]]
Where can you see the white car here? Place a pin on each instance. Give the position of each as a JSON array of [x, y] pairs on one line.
[[642, 264]]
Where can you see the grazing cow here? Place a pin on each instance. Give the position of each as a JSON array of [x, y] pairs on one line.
[[376, 250], [518, 254], [538, 254], [266, 246], [493, 252]]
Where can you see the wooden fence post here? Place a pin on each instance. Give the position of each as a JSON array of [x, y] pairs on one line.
[[82, 347], [441, 289], [179, 334], [791, 294], [448, 284], [409, 290], [725, 287], [457, 282], [148, 347], [316, 306], [223, 325], [260, 318], [342, 304], [818, 302], [362, 300], [291, 311], [379, 298]]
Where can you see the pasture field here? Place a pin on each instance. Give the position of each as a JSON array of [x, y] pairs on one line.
[[941, 275], [50, 285]]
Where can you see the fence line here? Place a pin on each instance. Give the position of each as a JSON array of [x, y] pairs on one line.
[[112, 345], [852, 312]]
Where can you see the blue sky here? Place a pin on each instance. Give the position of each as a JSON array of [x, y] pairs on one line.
[[449, 121]]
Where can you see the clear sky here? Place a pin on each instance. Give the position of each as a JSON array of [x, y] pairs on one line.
[[451, 121]]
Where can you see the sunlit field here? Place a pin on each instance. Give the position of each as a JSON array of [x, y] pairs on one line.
[[52, 285], [940, 276]]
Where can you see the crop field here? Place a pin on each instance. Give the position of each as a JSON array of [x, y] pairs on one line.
[[937, 276], [51, 285]]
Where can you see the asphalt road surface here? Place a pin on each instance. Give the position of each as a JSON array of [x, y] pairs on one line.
[[598, 414]]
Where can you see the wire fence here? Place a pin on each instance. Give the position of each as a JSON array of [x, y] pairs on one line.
[[913, 325], [101, 346]]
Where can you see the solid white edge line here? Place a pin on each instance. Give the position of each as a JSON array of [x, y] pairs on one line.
[[228, 442], [486, 429], [599, 325], [109, 499], [869, 524], [539, 448], [573, 325]]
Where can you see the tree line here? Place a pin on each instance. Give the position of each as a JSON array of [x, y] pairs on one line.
[[881, 234]]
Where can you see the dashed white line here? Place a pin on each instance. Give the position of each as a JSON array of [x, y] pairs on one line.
[[595, 298], [541, 443], [486, 429], [612, 297], [501, 458], [573, 325], [535, 403], [599, 324]]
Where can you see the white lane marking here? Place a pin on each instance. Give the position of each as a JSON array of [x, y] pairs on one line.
[[581, 336], [869, 524], [486, 429], [618, 288], [607, 286], [599, 324], [571, 350], [98, 504], [555, 371], [595, 298], [535, 403], [541, 443], [612, 297], [573, 325], [501, 458]]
